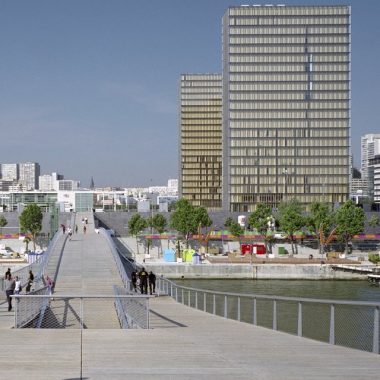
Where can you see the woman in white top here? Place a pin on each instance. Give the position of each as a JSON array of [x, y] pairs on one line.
[[17, 285]]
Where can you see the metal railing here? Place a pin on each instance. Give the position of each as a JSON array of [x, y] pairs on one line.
[[80, 312], [353, 324]]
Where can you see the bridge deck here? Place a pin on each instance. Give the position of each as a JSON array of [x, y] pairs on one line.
[[183, 342]]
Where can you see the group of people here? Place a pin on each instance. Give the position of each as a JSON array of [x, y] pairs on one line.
[[143, 279], [13, 285], [70, 230]]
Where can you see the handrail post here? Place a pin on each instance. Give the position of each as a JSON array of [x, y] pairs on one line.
[[171, 290], [238, 309], [188, 298], [254, 312], [274, 326], [225, 306], [299, 319], [213, 304], [16, 311], [147, 314], [81, 313], [183, 298], [332, 324], [375, 347], [204, 302], [196, 300], [176, 294]]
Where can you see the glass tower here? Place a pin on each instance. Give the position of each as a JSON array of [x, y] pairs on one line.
[[286, 105], [201, 139]]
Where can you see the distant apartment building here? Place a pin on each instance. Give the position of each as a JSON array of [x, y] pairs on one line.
[[286, 105], [9, 172], [49, 182], [67, 185], [29, 174], [200, 142], [369, 143], [375, 177]]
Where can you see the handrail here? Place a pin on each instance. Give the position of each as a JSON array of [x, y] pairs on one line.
[[355, 318]]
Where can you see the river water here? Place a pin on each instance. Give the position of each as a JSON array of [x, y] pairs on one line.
[[326, 289]]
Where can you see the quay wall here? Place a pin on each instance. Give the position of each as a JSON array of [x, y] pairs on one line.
[[256, 271]]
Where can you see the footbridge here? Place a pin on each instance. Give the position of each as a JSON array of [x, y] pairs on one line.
[[92, 327]]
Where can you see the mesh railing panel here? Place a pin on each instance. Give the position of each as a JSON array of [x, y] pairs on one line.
[[316, 321], [287, 313]]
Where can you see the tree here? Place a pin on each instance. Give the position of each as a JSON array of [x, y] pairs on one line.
[[228, 222], [31, 221], [374, 221], [349, 221], [187, 218], [291, 220], [135, 225], [3, 223], [157, 222], [321, 223], [236, 229], [259, 219]]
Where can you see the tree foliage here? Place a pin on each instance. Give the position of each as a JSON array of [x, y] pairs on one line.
[[158, 222], [349, 221], [236, 229], [374, 221], [187, 219], [228, 222], [31, 221], [3, 223], [291, 219], [260, 217], [135, 225]]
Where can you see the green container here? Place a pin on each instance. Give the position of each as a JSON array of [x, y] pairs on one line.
[[187, 255], [281, 250]]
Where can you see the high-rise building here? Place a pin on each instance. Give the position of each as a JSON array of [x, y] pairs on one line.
[[9, 172], [286, 105], [369, 143], [29, 174], [201, 139]]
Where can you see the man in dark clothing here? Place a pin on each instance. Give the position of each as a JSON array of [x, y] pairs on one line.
[[152, 282], [134, 280], [143, 275]]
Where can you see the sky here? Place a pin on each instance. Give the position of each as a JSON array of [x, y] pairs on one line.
[[90, 88]]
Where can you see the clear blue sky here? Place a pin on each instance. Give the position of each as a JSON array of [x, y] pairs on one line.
[[90, 88]]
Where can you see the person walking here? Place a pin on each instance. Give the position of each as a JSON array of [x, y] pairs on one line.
[[152, 283], [30, 281], [50, 284], [70, 232], [134, 280], [84, 229], [8, 272], [76, 228], [18, 286], [9, 286], [143, 275]]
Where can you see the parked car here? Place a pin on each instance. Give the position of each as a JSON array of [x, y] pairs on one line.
[[6, 251]]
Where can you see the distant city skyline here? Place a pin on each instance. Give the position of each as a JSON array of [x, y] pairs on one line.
[[90, 88]]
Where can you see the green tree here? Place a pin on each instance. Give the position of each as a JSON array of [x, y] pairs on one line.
[[320, 221], [374, 221], [259, 219], [135, 225], [187, 219], [349, 221], [158, 222], [31, 221], [228, 222], [3, 223], [291, 220], [236, 229]]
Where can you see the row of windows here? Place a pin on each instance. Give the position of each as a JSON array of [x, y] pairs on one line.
[[288, 30], [275, 77], [299, 161], [289, 115], [288, 96], [214, 86], [315, 21], [283, 59], [288, 105], [194, 98], [318, 67], [319, 86], [213, 104], [288, 142], [300, 171], [201, 115], [291, 124], [253, 135], [201, 109], [213, 93], [216, 142], [275, 49], [211, 122], [287, 151], [289, 11], [304, 40], [293, 181]]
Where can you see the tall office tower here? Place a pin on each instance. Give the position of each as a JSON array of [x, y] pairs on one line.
[[368, 144], [29, 174], [9, 172], [201, 140], [286, 105]]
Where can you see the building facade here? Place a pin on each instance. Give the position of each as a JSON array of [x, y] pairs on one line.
[[200, 142], [9, 172], [286, 105], [29, 175], [369, 143]]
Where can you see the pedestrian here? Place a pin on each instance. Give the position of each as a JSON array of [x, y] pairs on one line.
[[8, 272], [50, 284], [152, 282], [30, 282], [86, 220], [63, 228], [84, 229], [18, 286], [134, 280], [9, 286], [76, 228], [82, 220], [70, 232], [143, 276]]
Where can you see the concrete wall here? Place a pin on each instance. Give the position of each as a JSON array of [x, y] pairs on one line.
[[245, 271]]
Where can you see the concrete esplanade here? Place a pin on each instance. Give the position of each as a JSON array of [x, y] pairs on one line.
[[182, 343]]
